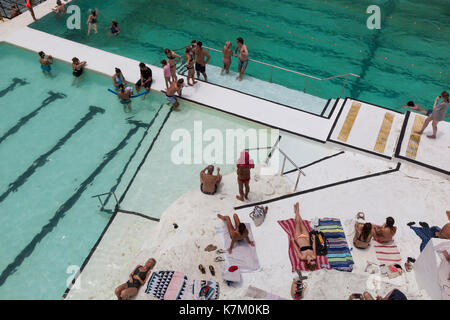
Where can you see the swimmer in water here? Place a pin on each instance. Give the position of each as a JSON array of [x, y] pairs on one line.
[[92, 21], [115, 28], [77, 68], [124, 96], [60, 8], [46, 63]]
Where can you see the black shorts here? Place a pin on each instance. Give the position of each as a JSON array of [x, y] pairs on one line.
[[77, 73], [199, 67], [146, 86], [201, 189]]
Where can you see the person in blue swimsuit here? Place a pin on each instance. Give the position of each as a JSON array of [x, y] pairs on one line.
[[118, 79], [137, 278], [45, 62]]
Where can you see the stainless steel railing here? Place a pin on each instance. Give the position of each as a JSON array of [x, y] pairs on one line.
[[307, 76]]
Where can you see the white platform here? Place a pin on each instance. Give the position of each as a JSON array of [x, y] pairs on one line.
[[366, 127]]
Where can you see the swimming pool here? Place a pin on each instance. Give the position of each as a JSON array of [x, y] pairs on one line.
[[403, 61]]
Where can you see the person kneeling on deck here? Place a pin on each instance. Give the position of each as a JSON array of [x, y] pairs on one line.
[[244, 164], [208, 181], [236, 234], [175, 87], [136, 279]]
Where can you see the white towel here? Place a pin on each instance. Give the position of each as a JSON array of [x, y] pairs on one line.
[[243, 255]]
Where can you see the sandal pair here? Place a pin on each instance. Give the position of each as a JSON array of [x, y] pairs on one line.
[[203, 271]]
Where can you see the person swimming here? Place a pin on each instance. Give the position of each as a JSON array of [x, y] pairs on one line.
[[92, 21], [124, 96], [115, 28], [60, 8], [45, 62], [77, 68]]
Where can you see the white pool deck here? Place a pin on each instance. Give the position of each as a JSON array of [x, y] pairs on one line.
[[413, 193]]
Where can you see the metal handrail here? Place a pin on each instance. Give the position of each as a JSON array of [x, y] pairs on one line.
[[307, 76], [98, 196], [286, 157]]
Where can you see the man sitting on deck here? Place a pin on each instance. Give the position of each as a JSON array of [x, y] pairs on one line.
[[208, 181]]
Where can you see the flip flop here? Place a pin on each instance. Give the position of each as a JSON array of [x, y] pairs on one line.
[[409, 224], [211, 269], [219, 259], [220, 251], [202, 268]]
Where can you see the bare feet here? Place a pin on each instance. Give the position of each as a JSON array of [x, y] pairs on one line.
[[418, 132], [246, 197], [431, 136], [240, 198]]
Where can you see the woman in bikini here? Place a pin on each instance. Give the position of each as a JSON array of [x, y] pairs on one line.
[[227, 53], [189, 56], [236, 234], [171, 56], [136, 279], [29, 6], [363, 232], [386, 232], [118, 79], [304, 243]]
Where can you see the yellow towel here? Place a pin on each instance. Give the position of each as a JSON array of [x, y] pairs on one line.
[[383, 135], [349, 121], [414, 139]]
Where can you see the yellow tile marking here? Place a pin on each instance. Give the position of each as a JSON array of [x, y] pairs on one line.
[[414, 139], [349, 121], [383, 135]]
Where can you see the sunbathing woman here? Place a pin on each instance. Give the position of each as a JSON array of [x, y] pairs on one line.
[[363, 233], [304, 244], [137, 278], [240, 233], [386, 232]]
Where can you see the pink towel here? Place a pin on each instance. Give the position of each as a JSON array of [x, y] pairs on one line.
[[289, 227], [175, 287], [387, 253]]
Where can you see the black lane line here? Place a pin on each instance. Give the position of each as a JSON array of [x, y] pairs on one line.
[[325, 108], [314, 162], [12, 86], [64, 208], [146, 155], [42, 160], [143, 125], [321, 187], [387, 8], [22, 121]]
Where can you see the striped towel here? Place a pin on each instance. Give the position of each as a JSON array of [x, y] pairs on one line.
[[388, 253], [297, 264], [339, 256]]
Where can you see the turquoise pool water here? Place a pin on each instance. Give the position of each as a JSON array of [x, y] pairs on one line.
[[59, 145], [402, 61]]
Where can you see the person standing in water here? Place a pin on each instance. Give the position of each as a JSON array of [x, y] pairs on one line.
[[29, 5], [227, 53], [92, 21], [60, 8], [124, 96], [200, 63], [46, 63], [77, 68], [114, 28], [244, 165], [243, 57], [438, 114], [189, 56], [171, 56]]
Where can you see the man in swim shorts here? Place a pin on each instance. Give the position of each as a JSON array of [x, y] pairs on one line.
[[145, 80], [243, 57], [438, 114], [200, 63], [45, 63], [208, 181], [175, 87]]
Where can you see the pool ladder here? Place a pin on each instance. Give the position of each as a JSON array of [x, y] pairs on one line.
[[99, 197]]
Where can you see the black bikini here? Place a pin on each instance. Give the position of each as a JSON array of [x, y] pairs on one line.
[[136, 283]]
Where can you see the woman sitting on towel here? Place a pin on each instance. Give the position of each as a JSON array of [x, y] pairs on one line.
[[386, 232], [363, 232], [137, 278], [304, 243], [238, 234]]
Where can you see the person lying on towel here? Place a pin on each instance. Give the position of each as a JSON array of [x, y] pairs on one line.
[[304, 243], [136, 279], [386, 232], [238, 233]]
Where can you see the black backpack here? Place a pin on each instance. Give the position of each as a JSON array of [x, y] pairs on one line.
[[321, 247]]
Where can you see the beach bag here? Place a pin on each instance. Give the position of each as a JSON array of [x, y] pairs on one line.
[[321, 243], [258, 215]]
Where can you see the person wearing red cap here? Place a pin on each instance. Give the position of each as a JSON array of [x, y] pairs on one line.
[[244, 165]]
